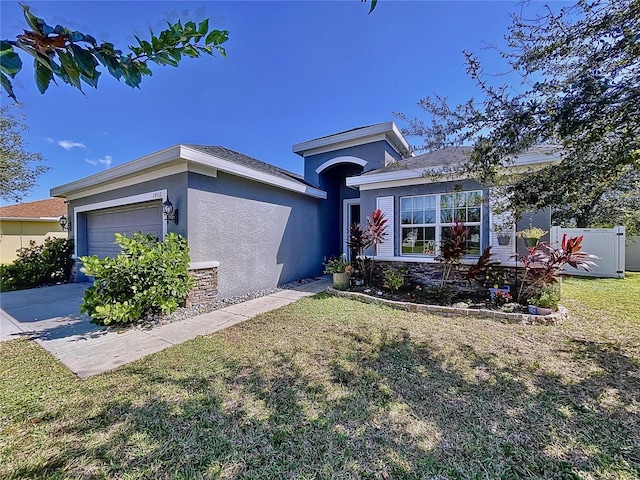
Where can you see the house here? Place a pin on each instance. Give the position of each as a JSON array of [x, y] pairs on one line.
[[259, 226], [31, 221]]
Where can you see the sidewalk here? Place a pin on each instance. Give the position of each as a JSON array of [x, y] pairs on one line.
[[87, 349]]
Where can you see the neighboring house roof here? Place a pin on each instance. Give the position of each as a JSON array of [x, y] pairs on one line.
[[356, 136], [51, 208], [202, 159], [445, 160]]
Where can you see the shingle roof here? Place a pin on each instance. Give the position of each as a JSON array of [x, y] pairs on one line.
[[438, 158], [348, 131], [247, 161], [49, 208]]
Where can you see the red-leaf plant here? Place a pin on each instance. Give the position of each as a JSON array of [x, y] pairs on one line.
[[543, 264], [372, 236], [453, 248]]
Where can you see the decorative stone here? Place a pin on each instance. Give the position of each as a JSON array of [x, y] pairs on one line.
[[205, 289], [505, 317]]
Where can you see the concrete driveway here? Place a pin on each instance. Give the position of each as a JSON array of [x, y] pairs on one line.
[[48, 313], [51, 317]]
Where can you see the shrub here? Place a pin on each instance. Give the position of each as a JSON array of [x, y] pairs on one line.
[[44, 264], [434, 294], [452, 248], [543, 264], [147, 278], [336, 264], [371, 236], [392, 279]]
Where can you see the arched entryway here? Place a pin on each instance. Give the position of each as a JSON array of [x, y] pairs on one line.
[[342, 205]]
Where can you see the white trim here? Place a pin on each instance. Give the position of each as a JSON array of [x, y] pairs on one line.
[[131, 181], [247, 172], [203, 265], [118, 202], [30, 219], [387, 206], [384, 131], [419, 176], [173, 160], [343, 159], [438, 224], [126, 169], [346, 225]]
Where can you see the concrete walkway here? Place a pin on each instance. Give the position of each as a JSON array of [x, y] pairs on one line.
[[51, 317]]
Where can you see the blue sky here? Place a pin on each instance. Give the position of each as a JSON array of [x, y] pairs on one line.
[[294, 71]]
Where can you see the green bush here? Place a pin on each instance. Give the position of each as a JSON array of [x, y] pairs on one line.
[[147, 278], [393, 279], [434, 294], [37, 265]]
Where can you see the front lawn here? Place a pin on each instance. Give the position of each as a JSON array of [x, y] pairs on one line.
[[333, 388]]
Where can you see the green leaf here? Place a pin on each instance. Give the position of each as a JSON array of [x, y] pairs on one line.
[[68, 64], [43, 76], [190, 51], [203, 28], [217, 37], [373, 5], [37, 24], [10, 62], [6, 85], [84, 60]]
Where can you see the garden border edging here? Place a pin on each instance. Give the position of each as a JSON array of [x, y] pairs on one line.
[[520, 318]]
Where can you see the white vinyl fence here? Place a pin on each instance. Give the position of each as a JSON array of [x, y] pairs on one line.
[[606, 243], [632, 255]]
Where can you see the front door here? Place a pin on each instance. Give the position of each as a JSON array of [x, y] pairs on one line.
[[350, 215]]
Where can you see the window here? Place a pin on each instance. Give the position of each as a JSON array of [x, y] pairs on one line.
[[425, 220]]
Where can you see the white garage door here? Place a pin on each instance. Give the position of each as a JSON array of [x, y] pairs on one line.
[[102, 225]]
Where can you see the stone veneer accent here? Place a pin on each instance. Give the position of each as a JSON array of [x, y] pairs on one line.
[[205, 290], [521, 318], [430, 274]]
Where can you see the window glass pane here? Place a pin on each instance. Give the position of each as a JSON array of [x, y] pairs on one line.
[[446, 201], [446, 216], [405, 204], [473, 214], [474, 199], [430, 216], [418, 203], [461, 214], [418, 217], [473, 242], [406, 217], [430, 202], [409, 238]]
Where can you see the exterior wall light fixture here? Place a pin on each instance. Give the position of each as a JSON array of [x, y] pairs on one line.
[[64, 223], [170, 214]]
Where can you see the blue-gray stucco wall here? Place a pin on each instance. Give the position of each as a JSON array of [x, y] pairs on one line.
[[541, 218], [262, 235], [368, 203], [373, 153], [176, 186]]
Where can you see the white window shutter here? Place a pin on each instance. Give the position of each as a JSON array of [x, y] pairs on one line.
[[385, 249], [500, 252]]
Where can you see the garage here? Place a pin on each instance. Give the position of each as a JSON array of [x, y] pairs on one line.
[[102, 225]]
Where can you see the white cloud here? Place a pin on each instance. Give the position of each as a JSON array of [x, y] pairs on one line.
[[106, 161], [69, 144]]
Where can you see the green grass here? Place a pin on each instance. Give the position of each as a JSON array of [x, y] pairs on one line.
[[332, 388]]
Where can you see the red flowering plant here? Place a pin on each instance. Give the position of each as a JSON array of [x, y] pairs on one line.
[[502, 297], [544, 264], [452, 248], [371, 236]]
